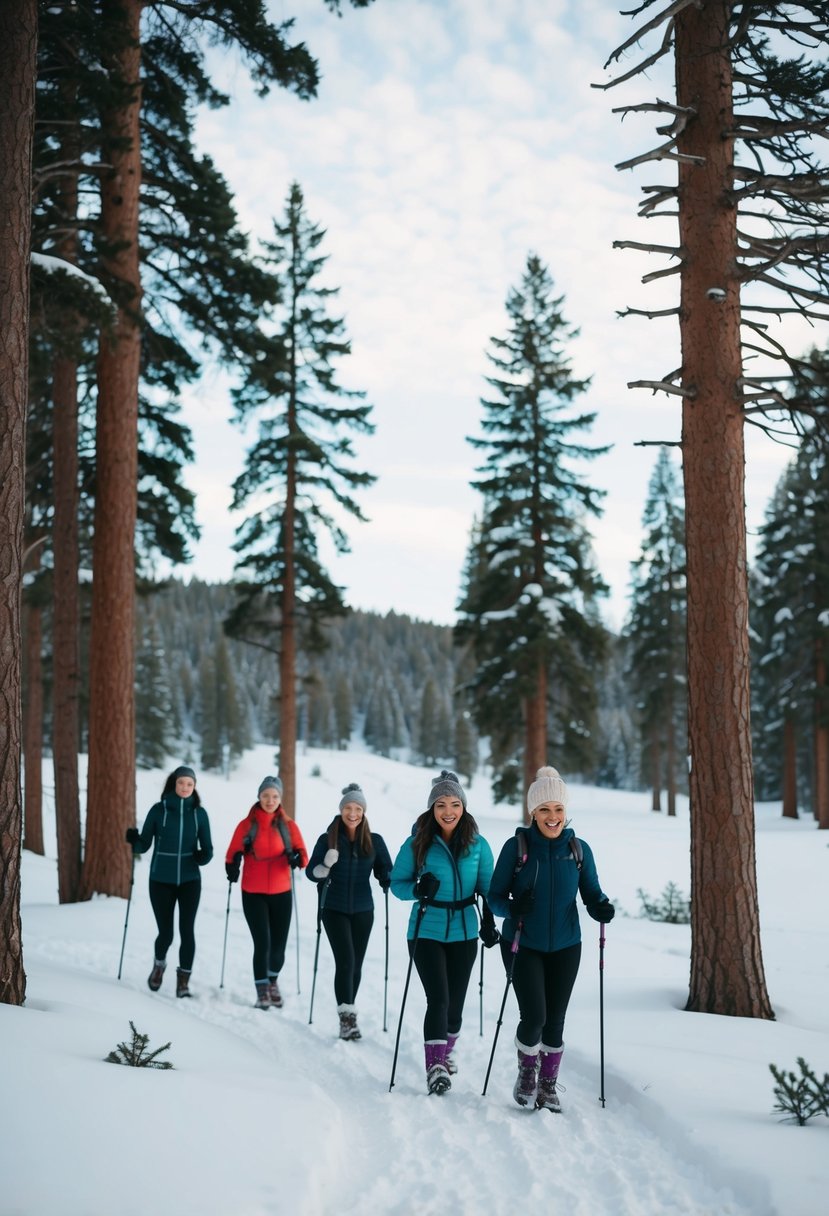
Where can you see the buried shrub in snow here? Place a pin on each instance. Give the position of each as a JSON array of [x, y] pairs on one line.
[[671, 906], [136, 1055], [800, 1098]]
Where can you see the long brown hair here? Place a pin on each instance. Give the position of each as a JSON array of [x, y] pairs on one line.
[[426, 828], [362, 835]]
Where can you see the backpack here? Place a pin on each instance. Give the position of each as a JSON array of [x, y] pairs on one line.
[[282, 828], [521, 838]]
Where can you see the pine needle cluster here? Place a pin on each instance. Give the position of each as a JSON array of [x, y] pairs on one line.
[[800, 1098], [136, 1055], [671, 906]]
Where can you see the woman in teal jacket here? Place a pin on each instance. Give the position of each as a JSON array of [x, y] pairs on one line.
[[443, 865], [179, 828], [537, 877]]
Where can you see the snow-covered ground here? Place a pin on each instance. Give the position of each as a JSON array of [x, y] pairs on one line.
[[265, 1114]]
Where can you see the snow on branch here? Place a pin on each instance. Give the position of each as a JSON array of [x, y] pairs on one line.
[[52, 265]]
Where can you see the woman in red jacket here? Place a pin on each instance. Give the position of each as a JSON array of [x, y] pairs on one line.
[[271, 845]]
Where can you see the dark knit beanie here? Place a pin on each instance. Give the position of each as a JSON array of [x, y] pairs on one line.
[[353, 793], [269, 783], [184, 770], [446, 784]]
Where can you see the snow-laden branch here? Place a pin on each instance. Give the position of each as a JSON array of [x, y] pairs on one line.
[[52, 265]]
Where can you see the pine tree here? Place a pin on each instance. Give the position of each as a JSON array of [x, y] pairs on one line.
[[301, 466], [152, 699], [656, 632], [528, 611]]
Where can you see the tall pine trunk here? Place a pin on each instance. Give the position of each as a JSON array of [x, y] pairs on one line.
[[789, 770], [727, 974], [287, 647], [18, 45], [66, 610], [33, 715], [111, 774], [655, 755], [821, 740], [535, 731]]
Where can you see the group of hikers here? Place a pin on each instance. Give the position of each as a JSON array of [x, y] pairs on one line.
[[444, 869]]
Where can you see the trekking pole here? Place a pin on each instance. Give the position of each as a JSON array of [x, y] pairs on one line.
[[386, 975], [481, 992], [420, 912], [224, 947], [296, 925], [323, 891], [601, 1011], [127, 917], [513, 952]]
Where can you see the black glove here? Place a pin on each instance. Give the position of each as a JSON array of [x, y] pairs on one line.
[[294, 858], [133, 836], [488, 934], [524, 903], [232, 868], [385, 882], [603, 912], [426, 887], [201, 857]]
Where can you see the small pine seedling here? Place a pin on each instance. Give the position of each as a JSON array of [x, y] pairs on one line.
[[800, 1098], [671, 906], [136, 1055]]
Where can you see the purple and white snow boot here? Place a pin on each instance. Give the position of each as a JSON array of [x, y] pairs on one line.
[[526, 1084], [437, 1074], [547, 1098]]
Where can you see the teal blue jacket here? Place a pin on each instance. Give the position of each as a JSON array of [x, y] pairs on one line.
[[460, 879], [550, 869], [181, 832]]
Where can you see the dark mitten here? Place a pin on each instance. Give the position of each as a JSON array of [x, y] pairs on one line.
[[133, 835], [232, 868], [384, 881], [294, 858], [603, 912], [524, 903], [426, 887], [201, 856], [488, 933]]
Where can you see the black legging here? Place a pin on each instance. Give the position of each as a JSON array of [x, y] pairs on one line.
[[348, 934], [444, 969], [164, 896], [543, 983], [269, 919]]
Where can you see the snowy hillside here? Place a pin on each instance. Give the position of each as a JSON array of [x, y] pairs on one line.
[[265, 1114]]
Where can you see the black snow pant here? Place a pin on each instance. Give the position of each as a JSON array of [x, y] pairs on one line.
[[444, 969], [164, 896], [348, 934], [269, 919], [543, 983]]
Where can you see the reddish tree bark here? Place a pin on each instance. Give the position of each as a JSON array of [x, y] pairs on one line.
[[789, 771], [656, 768], [111, 774], [821, 741], [727, 974], [18, 44]]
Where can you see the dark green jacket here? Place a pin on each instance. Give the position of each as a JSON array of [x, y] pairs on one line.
[[181, 832]]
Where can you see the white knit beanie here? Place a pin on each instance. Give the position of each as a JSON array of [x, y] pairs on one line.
[[547, 787]]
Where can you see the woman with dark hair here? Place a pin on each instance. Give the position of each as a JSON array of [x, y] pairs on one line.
[[181, 830], [343, 860], [272, 846], [443, 865]]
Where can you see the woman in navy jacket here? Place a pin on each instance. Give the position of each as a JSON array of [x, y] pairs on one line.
[[179, 826], [343, 860], [537, 877]]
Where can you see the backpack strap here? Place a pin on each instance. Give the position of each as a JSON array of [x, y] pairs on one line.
[[285, 832], [577, 851], [247, 842], [521, 846]]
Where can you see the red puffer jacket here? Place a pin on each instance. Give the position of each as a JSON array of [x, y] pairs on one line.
[[266, 870]]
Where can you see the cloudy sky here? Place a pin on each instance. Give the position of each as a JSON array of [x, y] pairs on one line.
[[450, 138]]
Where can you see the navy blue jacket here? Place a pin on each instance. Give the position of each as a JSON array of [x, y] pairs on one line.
[[349, 889], [551, 870]]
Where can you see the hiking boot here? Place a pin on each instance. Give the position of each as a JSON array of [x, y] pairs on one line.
[[547, 1097], [526, 1084], [182, 982], [348, 1022], [451, 1059], [437, 1074], [157, 974], [263, 995], [275, 994]]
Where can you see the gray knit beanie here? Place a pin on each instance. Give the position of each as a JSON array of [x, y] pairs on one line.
[[547, 787], [269, 783], [183, 770], [353, 793], [446, 784]]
